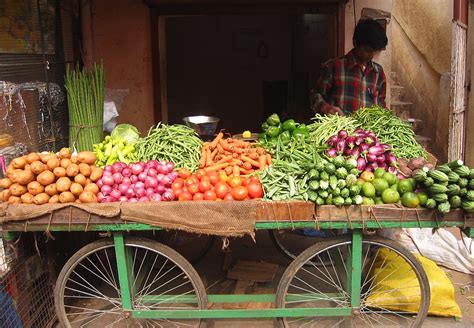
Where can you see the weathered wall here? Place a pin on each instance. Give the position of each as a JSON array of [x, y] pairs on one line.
[[421, 52], [121, 38], [470, 79]]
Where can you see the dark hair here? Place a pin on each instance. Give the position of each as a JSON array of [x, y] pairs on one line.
[[369, 32]]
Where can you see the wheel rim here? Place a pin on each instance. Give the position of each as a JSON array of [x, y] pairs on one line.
[[90, 293], [319, 280]]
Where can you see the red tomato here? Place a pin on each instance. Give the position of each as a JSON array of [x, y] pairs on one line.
[[177, 185], [206, 178], [213, 177], [200, 173], [198, 196], [235, 182], [204, 186], [228, 197], [255, 178], [221, 189], [177, 192], [245, 181], [210, 195], [191, 180], [184, 173], [223, 176], [239, 193], [185, 195], [193, 189], [255, 190]]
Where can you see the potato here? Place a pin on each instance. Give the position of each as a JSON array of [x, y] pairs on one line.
[[27, 198], [19, 163], [41, 199], [76, 189], [85, 169], [5, 194], [54, 199], [23, 177], [28, 167], [53, 163], [35, 188], [5, 183], [10, 169], [33, 157], [88, 180], [96, 174], [46, 157], [92, 187], [416, 163], [59, 172], [86, 157], [37, 167], [88, 197], [74, 159], [80, 179], [65, 162], [65, 153], [72, 170], [66, 197], [17, 189], [46, 178], [63, 184], [51, 189], [14, 200]]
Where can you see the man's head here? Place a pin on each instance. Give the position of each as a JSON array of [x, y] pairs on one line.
[[369, 39]]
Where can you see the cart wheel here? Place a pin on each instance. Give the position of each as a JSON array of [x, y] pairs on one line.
[[307, 285], [191, 246], [87, 292]]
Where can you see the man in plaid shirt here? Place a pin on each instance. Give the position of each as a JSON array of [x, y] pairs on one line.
[[354, 80]]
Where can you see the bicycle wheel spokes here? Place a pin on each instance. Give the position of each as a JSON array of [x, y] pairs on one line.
[[394, 293]]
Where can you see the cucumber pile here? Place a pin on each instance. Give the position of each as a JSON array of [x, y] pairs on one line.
[[449, 186]]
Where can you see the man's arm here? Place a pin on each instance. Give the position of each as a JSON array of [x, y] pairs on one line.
[[319, 95], [381, 89]]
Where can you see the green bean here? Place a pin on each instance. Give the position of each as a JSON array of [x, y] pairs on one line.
[[326, 126]]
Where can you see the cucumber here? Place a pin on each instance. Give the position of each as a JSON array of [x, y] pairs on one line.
[[463, 192], [440, 198], [333, 182], [444, 169], [455, 202], [453, 190], [471, 174], [468, 206], [471, 184], [323, 194], [420, 176], [463, 171], [428, 182], [329, 200], [470, 195], [345, 193], [338, 201], [323, 185], [356, 172], [444, 207], [453, 177], [438, 175], [438, 189], [354, 190], [430, 203], [463, 182], [455, 164], [351, 180]]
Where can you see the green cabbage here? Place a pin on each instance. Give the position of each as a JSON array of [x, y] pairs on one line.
[[125, 132]]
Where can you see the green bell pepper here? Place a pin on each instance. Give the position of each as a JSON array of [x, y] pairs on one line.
[[289, 125], [273, 119], [264, 126], [298, 132], [262, 138], [285, 136], [273, 131]]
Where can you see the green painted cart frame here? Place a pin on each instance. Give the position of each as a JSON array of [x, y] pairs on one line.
[[341, 219]]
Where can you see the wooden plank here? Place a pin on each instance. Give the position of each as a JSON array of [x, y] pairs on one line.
[[253, 271], [241, 287], [261, 305]]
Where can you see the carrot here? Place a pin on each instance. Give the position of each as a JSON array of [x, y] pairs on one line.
[[237, 162], [216, 167], [224, 159], [253, 155], [214, 153], [202, 161], [247, 166], [228, 170], [261, 151], [220, 149], [269, 159], [209, 161], [236, 171], [216, 140], [240, 143], [245, 172], [251, 161], [262, 162]]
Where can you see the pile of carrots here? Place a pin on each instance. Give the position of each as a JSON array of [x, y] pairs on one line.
[[235, 157]]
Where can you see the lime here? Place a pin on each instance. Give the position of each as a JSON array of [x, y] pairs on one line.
[[378, 201], [368, 189], [390, 196], [394, 187], [247, 134], [410, 199], [390, 177], [423, 197], [379, 172], [405, 185], [367, 176], [360, 182], [367, 201], [380, 185]]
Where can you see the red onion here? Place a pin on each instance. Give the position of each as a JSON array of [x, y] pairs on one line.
[[142, 176], [390, 158], [156, 197], [151, 182], [160, 177], [386, 146], [152, 172], [118, 178], [166, 181], [126, 180], [109, 199], [168, 195], [107, 173], [392, 169], [381, 159], [371, 158], [126, 172], [130, 192], [99, 183], [108, 180], [162, 169], [106, 190], [144, 199], [108, 168], [123, 188], [134, 179], [342, 134], [174, 175], [361, 164], [137, 168], [116, 167], [116, 194], [101, 197], [332, 140], [139, 184], [123, 199], [132, 200], [170, 166], [140, 192], [376, 150], [150, 192], [152, 163], [160, 189]]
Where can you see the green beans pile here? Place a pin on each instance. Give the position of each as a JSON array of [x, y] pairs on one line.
[[326, 126], [174, 143], [390, 129]]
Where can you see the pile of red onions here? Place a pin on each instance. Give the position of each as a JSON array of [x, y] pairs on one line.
[[137, 182], [365, 148]]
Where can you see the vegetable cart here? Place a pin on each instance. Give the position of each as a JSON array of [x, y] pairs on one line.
[[340, 281]]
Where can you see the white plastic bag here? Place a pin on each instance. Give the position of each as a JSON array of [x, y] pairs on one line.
[[110, 116]]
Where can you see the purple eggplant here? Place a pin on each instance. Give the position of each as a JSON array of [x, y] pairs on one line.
[[342, 134], [381, 159], [386, 146], [363, 148], [355, 153], [361, 164], [332, 152], [348, 151], [371, 134], [390, 159], [376, 150], [369, 169], [359, 141], [374, 165], [371, 158], [341, 145], [350, 142], [371, 141], [383, 166], [332, 140], [393, 170]]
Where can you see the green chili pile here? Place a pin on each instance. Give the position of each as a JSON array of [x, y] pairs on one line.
[[326, 126], [390, 129], [85, 95], [174, 143]]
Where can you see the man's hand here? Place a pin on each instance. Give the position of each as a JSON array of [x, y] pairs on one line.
[[330, 110]]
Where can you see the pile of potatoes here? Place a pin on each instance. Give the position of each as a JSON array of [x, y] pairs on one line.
[[40, 178]]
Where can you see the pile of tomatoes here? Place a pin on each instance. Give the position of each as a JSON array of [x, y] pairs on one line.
[[214, 185]]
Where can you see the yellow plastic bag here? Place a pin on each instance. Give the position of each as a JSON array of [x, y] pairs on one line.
[[400, 291]]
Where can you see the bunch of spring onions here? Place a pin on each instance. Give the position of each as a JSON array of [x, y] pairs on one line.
[[85, 91]]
